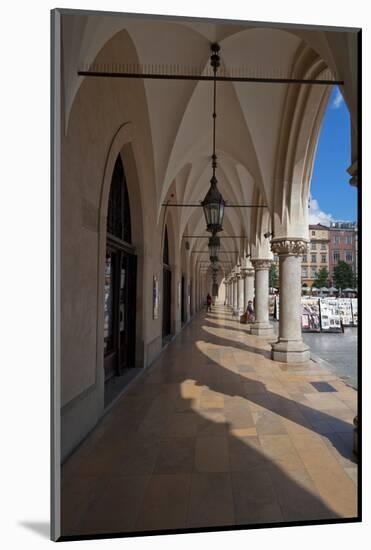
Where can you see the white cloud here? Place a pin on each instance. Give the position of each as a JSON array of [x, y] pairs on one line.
[[338, 100], [316, 215]]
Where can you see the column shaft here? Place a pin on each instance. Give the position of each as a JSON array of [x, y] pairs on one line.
[[235, 294], [261, 327], [241, 297], [249, 287], [290, 347]]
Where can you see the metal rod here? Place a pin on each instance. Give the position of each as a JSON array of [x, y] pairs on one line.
[[220, 252], [208, 236], [225, 206], [203, 78]]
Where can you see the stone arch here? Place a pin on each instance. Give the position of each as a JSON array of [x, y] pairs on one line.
[[121, 144], [300, 126]]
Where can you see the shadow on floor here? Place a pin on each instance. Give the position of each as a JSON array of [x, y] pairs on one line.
[[294, 411], [156, 462]]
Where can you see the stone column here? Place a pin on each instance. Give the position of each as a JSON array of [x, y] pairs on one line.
[[290, 347], [241, 297], [235, 293], [248, 276], [261, 327]]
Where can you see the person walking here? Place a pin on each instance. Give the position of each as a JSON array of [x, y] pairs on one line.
[[208, 302], [250, 312]]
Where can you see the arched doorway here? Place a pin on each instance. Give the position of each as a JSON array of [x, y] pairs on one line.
[[120, 280], [166, 302]]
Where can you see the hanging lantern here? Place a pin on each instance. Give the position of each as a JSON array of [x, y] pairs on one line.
[[213, 206], [213, 203], [214, 245]]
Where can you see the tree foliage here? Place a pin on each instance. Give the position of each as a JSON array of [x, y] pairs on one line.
[[344, 276], [321, 279], [273, 276]]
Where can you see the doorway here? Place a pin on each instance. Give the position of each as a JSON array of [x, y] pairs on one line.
[[166, 282], [120, 281]]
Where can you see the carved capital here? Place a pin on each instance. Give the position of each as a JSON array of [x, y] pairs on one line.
[[247, 272], [261, 264], [292, 247]]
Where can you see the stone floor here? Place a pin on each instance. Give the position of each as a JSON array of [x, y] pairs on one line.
[[213, 434]]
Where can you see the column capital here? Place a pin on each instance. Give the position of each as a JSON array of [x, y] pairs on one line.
[[247, 272], [353, 172], [261, 264], [289, 246]]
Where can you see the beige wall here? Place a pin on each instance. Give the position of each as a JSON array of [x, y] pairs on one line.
[[107, 118]]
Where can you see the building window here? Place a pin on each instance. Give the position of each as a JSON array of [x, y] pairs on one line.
[[313, 233], [349, 256], [337, 240], [313, 273], [314, 258], [336, 256], [349, 239], [118, 217], [304, 272], [313, 246], [323, 258], [323, 246], [304, 258]]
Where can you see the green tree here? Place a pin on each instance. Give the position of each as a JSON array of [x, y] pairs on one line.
[[343, 275], [273, 276], [321, 279]]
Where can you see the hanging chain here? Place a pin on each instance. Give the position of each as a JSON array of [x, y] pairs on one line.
[[215, 62]]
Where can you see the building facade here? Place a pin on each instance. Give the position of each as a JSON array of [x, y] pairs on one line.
[[317, 255], [342, 245]]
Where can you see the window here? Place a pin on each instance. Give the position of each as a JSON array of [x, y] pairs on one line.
[[349, 239], [313, 233], [165, 253], [349, 256], [304, 272], [314, 258], [304, 259], [336, 256], [313, 246], [323, 246], [313, 273], [118, 217], [337, 240], [323, 258]]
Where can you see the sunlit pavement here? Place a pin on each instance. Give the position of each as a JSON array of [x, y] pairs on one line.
[[216, 433]]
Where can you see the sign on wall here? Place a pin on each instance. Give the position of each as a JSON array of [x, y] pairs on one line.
[[155, 299]]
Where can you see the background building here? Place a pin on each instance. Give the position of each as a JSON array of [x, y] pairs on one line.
[[342, 245], [317, 255]]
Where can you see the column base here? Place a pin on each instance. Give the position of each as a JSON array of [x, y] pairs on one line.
[[290, 351], [261, 329]]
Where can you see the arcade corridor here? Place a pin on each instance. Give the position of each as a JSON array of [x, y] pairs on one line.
[[215, 433]]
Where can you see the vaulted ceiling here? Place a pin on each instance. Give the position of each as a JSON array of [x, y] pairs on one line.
[[266, 133]]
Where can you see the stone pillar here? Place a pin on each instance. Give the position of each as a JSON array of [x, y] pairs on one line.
[[235, 293], [248, 276], [241, 297], [290, 347], [261, 327]]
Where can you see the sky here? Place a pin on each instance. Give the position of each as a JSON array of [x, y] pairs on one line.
[[332, 197]]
